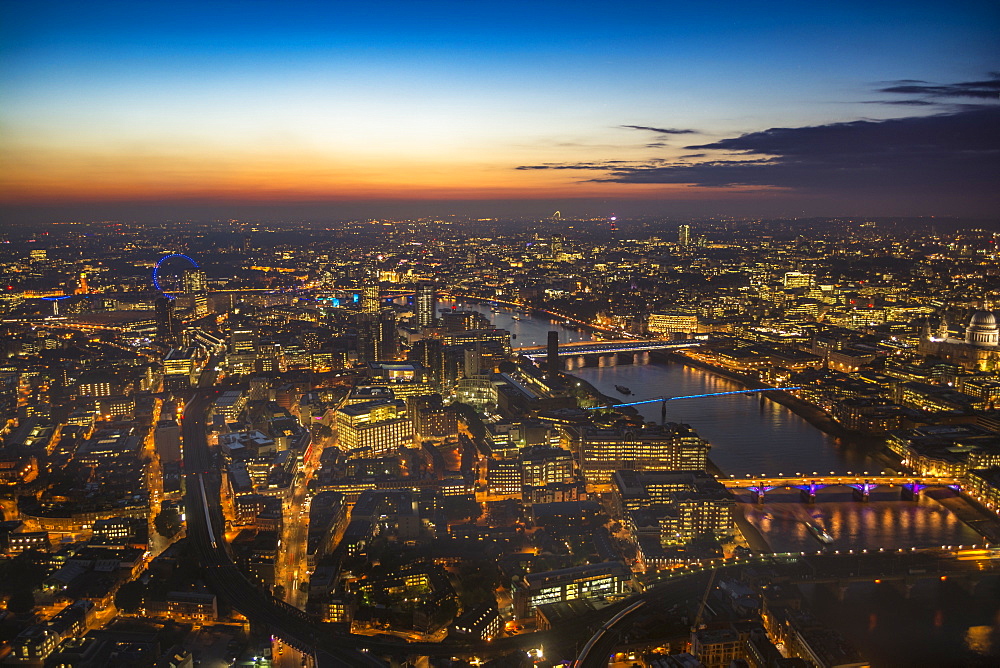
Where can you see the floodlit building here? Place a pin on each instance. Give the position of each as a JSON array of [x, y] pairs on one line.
[[533, 589], [374, 427]]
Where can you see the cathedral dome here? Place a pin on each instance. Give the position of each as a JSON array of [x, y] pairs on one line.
[[983, 331], [983, 319]]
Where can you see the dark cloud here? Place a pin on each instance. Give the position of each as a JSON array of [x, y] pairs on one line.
[[954, 155], [904, 103], [933, 93], [945, 152], [661, 131]]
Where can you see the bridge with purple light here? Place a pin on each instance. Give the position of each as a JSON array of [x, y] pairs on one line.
[[863, 485]]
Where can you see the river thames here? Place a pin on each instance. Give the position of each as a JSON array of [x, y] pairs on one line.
[[940, 625], [750, 436]]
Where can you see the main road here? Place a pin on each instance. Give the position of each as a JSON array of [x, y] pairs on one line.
[[205, 530]]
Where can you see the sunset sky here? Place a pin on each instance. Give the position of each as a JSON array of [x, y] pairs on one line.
[[885, 108]]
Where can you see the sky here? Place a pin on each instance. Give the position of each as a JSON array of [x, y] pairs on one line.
[[118, 109]]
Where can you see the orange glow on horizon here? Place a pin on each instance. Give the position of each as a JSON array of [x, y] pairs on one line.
[[260, 183]]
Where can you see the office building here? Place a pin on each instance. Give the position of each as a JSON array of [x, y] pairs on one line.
[[371, 297], [533, 589], [684, 235], [167, 329], [543, 465], [796, 279], [167, 440], [373, 428], [194, 280], [676, 506], [669, 323], [426, 301], [672, 447]]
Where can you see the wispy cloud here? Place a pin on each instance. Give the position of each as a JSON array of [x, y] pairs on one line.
[[661, 131]]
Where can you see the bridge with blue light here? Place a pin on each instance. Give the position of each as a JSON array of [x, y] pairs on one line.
[[862, 485], [657, 400], [607, 347]]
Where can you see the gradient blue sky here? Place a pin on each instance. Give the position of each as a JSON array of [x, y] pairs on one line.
[[268, 102]]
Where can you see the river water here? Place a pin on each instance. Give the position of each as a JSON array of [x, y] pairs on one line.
[[747, 435], [936, 627]]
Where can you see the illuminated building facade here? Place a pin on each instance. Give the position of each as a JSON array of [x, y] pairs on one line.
[[533, 589], [375, 427], [426, 300], [673, 447]]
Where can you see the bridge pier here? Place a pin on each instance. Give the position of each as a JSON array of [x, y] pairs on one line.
[[808, 492], [838, 588], [904, 587], [863, 491], [911, 492]]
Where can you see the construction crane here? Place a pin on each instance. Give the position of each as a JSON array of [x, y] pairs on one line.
[[704, 601]]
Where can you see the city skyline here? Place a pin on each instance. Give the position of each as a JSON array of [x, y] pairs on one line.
[[335, 111]]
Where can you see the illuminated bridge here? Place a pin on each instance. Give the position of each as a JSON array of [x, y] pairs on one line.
[[862, 485], [656, 400], [606, 347]]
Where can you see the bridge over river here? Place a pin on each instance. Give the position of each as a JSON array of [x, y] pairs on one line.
[[862, 485], [607, 347]]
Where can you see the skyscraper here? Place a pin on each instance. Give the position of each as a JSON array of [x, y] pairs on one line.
[[166, 322], [370, 296], [430, 353], [556, 246], [684, 235], [386, 337], [426, 299]]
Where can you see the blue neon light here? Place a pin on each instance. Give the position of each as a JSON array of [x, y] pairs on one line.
[[55, 299], [694, 396], [156, 269]]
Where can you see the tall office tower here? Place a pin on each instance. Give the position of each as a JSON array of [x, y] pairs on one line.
[[426, 304], [367, 337], [166, 322], [430, 353], [385, 335], [552, 358], [556, 245], [194, 280], [684, 235], [370, 296]]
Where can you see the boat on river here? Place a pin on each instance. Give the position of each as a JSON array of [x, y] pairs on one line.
[[622, 389], [819, 533]]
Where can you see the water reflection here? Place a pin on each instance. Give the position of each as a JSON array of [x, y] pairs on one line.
[[884, 521]]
